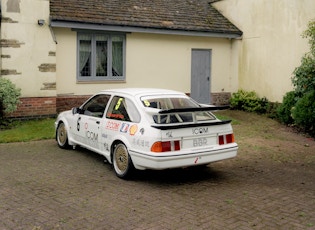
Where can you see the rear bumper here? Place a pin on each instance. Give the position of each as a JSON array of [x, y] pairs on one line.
[[145, 161]]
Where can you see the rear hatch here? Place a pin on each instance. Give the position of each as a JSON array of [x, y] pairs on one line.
[[192, 129]]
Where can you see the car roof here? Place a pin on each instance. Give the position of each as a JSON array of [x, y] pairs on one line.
[[142, 91]]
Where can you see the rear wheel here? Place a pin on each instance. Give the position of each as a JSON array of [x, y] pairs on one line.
[[122, 162], [62, 136]]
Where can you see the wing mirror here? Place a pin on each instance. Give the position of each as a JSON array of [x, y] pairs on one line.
[[75, 110]]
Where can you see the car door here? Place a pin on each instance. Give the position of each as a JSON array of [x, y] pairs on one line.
[[89, 121]]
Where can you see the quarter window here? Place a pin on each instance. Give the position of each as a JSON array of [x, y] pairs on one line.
[[101, 57], [123, 109]]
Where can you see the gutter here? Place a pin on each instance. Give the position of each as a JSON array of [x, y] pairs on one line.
[[134, 29]]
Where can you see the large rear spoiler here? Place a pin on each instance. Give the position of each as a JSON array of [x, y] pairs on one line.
[[194, 124], [190, 125], [196, 109]]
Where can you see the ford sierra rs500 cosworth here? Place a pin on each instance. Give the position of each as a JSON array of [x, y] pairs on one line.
[[147, 129]]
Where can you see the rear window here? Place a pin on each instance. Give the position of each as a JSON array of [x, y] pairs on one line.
[[176, 117]]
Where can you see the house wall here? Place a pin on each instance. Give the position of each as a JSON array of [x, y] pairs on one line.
[[162, 61], [272, 45], [28, 52], [28, 55]]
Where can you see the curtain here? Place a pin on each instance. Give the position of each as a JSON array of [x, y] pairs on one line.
[[117, 56], [85, 55]]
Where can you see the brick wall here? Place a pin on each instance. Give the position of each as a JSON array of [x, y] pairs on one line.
[[68, 102], [34, 107], [219, 99], [222, 98]]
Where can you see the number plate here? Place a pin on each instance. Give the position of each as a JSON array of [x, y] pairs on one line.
[[199, 142]]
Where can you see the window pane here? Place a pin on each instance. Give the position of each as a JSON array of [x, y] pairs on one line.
[[101, 55], [96, 105], [117, 109], [85, 55], [117, 54]]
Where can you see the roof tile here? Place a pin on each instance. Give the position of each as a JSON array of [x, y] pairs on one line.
[[187, 15]]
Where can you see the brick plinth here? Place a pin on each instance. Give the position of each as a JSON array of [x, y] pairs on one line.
[[68, 102], [222, 98], [35, 107]]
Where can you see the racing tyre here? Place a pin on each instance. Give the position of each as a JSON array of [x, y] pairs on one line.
[[122, 163], [62, 136]]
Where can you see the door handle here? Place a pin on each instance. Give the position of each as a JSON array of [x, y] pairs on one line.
[[98, 122]]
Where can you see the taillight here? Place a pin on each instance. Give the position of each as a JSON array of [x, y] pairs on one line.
[[226, 139], [165, 146]]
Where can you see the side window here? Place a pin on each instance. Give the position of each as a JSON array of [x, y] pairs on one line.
[[123, 109], [95, 107]]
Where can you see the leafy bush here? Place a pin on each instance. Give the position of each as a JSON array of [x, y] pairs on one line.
[[272, 110], [304, 75], [248, 101], [284, 111], [304, 112], [301, 102], [9, 96]]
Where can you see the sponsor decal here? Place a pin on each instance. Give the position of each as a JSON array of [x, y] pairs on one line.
[[140, 142], [112, 125], [118, 103], [146, 103], [116, 116], [197, 159], [201, 130], [133, 129], [124, 128], [106, 146], [169, 134], [91, 136]]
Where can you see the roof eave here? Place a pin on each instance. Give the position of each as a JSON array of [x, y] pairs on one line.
[[135, 29]]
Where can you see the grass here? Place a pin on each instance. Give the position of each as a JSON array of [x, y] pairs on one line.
[[32, 130]]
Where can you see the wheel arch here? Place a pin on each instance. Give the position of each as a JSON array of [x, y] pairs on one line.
[[116, 141], [66, 123]]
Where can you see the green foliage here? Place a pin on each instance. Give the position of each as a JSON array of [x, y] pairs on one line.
[[298, 107], [284, 111], [304, 112], [248, 101], [9, 96], [304, 75]]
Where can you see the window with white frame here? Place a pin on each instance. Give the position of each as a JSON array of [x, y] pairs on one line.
[[101, 57]]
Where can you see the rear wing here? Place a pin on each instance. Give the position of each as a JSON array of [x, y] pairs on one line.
[[187, 117], [196, 109], [190, 125]]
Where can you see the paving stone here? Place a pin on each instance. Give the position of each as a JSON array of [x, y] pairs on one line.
[[44, 187]]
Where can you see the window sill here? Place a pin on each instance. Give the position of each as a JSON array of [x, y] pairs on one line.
[[102, 82]]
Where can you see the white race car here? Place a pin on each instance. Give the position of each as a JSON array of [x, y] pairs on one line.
[[147, 129]]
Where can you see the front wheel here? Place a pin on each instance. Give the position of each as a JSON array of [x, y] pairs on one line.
[[122, 162], [62, 136]]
